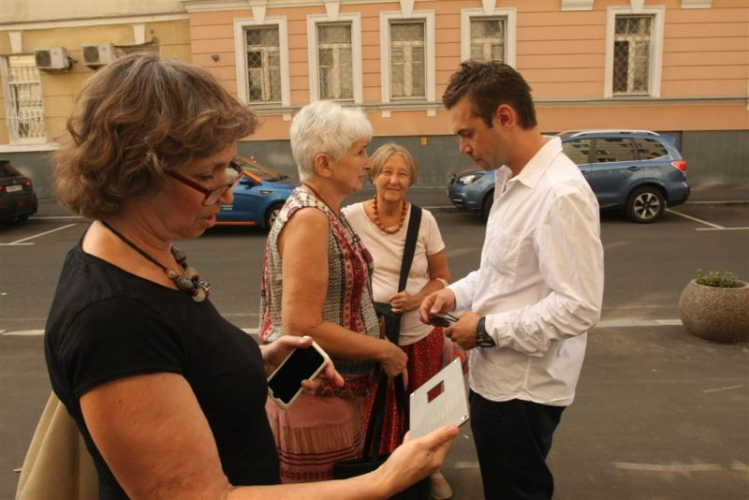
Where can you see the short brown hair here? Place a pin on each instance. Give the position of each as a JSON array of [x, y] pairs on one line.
[[383, 154], [487, 85], [136, 118]]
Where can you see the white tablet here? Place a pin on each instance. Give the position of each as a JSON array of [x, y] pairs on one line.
[[441, 400]]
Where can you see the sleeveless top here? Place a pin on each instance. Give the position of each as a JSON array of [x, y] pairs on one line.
[[348, 299]]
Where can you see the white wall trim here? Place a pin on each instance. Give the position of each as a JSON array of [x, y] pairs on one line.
[[240, 51], [656, 60], [356, 52], [81, 23], [577, 5], [696, 4], [385, 18], [510, 13], [16, 41]]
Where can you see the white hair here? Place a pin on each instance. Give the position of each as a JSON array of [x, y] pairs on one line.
[[325, 127]]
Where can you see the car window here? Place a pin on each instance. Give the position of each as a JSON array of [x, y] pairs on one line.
[[650, 149], [8, 170], [577, 150], [613, 149]]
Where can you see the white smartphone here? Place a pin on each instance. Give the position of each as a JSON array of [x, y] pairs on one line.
[[285, 383]]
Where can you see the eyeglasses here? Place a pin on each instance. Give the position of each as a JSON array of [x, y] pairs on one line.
[[443, 319], [211, 195]]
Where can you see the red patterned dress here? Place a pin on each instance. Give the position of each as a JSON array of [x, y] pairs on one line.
[[318, 431]]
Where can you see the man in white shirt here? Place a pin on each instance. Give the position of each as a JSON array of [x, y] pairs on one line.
[[539, 286]]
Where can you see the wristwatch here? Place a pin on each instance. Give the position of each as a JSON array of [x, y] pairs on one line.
[[482, 338]]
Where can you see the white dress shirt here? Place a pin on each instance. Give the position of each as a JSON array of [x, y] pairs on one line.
[[540, 282]]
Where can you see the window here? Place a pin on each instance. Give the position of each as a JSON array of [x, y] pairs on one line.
[[650, 149], [334, 56], [407, 60], [632, 43], [23, 105], [488, 39], [263, 64], [613, 149], [578, 150], [634, 51]]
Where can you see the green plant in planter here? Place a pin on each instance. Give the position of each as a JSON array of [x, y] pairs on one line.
[[714, 306], [720, 279]]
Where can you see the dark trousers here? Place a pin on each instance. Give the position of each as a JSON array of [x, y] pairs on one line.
[[512, 440]]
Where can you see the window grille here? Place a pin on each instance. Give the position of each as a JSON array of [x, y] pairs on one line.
[[407, 60], [24, 106], [263, 64], [334, 61], [488, 39], [632, 42]]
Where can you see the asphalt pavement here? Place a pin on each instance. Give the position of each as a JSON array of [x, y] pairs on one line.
[[658, 414]]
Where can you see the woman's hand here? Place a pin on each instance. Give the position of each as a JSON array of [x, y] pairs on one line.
[[275, 352], [416, 459], [392, 359], [403, 302]]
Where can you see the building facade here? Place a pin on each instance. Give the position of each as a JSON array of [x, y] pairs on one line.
[[679, 67]]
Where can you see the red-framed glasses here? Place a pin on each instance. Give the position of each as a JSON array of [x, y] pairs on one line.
[[234, 172]]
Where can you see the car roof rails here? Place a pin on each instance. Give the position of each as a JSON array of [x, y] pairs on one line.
[[576, 133]]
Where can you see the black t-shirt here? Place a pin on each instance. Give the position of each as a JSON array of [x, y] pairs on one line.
[[107, 324]]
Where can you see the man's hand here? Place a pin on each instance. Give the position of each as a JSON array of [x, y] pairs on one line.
[[463, 332], [435, 303]]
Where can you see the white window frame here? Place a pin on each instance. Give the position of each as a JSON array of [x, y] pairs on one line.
[[240, 49], [510, 14], [13, 137], [356, 53], [656, 47], [429, 62]]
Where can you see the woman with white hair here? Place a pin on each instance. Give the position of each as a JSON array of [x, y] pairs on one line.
[[317, 282]]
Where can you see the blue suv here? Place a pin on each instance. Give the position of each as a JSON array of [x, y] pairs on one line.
[[637, 171]]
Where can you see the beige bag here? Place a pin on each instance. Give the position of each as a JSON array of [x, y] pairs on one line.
[[57, 464]]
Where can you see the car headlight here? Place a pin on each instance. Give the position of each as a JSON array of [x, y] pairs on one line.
[[469, 179]]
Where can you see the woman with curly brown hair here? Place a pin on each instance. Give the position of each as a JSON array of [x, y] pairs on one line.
[[168, 395]]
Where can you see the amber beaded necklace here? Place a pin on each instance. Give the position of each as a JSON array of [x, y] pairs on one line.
[[190, 282], [378, 223]]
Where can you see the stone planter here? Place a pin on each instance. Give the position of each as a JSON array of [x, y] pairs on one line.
[[715, 313]]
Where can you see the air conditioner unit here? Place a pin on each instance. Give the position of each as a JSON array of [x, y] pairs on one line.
[[55, 58], [98, 55]]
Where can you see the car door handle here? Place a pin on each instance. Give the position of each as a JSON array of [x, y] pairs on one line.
[[633, 168]]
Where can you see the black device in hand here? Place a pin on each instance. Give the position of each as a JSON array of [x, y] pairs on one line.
[[285, 383], [442, 319]]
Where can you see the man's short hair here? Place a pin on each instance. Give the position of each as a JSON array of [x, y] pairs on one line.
[[487, 85]]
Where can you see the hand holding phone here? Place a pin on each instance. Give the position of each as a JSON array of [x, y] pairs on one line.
[[285, 383], [445, 320]]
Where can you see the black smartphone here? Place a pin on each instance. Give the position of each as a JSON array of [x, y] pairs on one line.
[[443, 319], [285, 383]]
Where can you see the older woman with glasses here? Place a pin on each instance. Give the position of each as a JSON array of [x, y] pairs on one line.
[[168, 395], [382, 223], [316, 282]]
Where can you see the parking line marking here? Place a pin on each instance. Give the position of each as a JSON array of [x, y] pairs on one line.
[[715, 226], [669, 468], [723, 228], [19, 242], [721, 389], [628, 323]]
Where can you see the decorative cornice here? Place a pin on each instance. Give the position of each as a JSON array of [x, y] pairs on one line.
[[332, 7], [696, 4], [577, 5], [637, 5], [489, 6], [407, 8], [99, 21]]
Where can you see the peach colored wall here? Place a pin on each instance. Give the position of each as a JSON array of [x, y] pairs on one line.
[[561, 54]]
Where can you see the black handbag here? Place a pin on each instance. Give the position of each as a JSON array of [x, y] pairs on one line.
[[372, 458]]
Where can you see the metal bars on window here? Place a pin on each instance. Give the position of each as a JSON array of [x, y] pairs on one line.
[[334, 61], [24, 106], [263, 64], [632, 52], [407, 60], [488, 39]]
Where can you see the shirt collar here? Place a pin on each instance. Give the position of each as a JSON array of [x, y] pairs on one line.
[[537, 165]]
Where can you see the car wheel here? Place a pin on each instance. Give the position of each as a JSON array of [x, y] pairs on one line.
[[272, 214], [486, 207], [645, 205]]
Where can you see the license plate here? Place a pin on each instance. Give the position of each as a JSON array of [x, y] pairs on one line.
[[13, 189]]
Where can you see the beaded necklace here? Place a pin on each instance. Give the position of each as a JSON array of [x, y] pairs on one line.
[[190, 282], [389, 230]]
